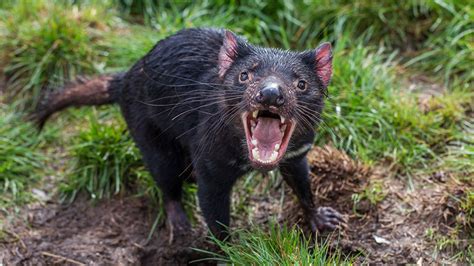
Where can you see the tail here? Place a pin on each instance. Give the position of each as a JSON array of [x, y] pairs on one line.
[[95, 91]]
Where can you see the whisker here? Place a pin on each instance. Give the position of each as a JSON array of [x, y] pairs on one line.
[[201, 106], [199, 94], [189, 100], [204, 140], [195, 82]]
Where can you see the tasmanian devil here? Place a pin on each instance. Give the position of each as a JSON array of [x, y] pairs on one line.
[[205, 101]]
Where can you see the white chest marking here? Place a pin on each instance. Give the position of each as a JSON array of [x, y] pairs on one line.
[[298, 152]]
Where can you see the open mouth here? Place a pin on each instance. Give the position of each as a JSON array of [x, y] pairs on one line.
[[267, 136]]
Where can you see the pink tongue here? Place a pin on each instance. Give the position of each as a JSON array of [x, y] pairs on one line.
[[268, 134]]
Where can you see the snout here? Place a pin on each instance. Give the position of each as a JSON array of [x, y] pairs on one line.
[[270, 95]]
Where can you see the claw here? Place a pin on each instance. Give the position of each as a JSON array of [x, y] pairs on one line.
[[326, 218]]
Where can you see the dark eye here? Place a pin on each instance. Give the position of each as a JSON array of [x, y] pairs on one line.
[[244, 76], [301, 85]]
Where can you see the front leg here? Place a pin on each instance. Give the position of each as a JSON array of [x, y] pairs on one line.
[[296, 173], [214, 192]]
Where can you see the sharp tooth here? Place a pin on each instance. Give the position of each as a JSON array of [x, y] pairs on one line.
[[282, 119], [255, 154], [254, 142], [254, 114], [274, 156], [252, 123], [277, 147], [283, 128]]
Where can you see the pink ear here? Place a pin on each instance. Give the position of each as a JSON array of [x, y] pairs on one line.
[[323, 56], [228, 52]]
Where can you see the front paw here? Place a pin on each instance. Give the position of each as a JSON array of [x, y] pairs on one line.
[[326, 219]]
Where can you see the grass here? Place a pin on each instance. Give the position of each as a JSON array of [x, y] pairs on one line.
[[449, 51], [45, 44], [373, 193], [371, 123], [371, 113], [459, 157], [436, 35], [364, 95], [277, 246], [105, 159], [107, 163], [467, 205], [21, 160], [458, 238], [124, 49]]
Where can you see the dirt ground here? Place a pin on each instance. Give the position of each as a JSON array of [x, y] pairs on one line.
[[115, 231], [393, 230]]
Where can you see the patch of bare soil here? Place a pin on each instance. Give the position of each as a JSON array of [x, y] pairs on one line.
[[394, 229], [114, 232], [425, 90], [390, 229]]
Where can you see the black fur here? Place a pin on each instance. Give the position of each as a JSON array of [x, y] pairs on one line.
[[182, 103]]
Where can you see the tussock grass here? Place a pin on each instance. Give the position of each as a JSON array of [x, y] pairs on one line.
[[277, 246], [106, 162], [21, 160], [105, 158], [45, 44]]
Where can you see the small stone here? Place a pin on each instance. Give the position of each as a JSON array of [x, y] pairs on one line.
[[381, 240]]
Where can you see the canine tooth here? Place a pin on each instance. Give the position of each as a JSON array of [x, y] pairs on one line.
[[277, 147], [255, 154], [252, 123], [282, 119], [254, 114], [254, 142], [274, 156], [283, 128]]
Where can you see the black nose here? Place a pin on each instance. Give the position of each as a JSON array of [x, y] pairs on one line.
[[270, 95]]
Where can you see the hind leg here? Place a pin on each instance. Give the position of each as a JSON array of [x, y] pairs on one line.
[[165, 160], [168, 170]]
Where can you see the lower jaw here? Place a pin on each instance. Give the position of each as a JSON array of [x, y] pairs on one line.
[[269, 164], [263, 167]]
